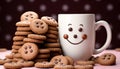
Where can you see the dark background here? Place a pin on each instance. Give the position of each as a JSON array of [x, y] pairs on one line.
[[11, 10]]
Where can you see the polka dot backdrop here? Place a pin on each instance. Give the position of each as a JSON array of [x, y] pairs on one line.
[[11, 10]]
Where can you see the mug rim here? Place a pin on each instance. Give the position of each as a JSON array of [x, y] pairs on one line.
[[76, 14]]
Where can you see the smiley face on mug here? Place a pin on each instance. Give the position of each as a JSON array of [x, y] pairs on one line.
[[72, 37]]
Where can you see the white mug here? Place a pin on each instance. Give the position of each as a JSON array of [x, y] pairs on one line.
[[77, 35]]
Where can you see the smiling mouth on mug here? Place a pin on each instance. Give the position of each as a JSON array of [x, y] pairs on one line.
[[84, 36]]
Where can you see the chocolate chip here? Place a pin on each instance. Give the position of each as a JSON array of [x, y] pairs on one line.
[[109, 55], [26, 18], [42, 27], [105, 55], [26, 15], [61, 63], [29, 47], [48, 18], [26, 52], [25, 47], [56, 62], [37, 26], [56, 59], [41, 23], [108, 58], [31, 17], [31, 51], [37, 23], [31, 14], [59, 60], [103, 58]]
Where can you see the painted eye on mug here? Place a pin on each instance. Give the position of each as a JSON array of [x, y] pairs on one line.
[[80, 29], [70, 29]]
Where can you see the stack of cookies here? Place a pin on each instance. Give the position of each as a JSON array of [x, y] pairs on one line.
[[52, 42], [38, 28], [22, 30], [30, 36], [35, 40]]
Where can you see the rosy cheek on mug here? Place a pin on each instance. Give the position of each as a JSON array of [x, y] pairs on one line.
[[65, 36], [84, 37]]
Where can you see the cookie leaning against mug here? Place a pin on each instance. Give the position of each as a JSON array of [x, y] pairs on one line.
[[50, 21]]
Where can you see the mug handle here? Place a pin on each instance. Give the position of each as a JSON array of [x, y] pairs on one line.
[[109, 35]]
